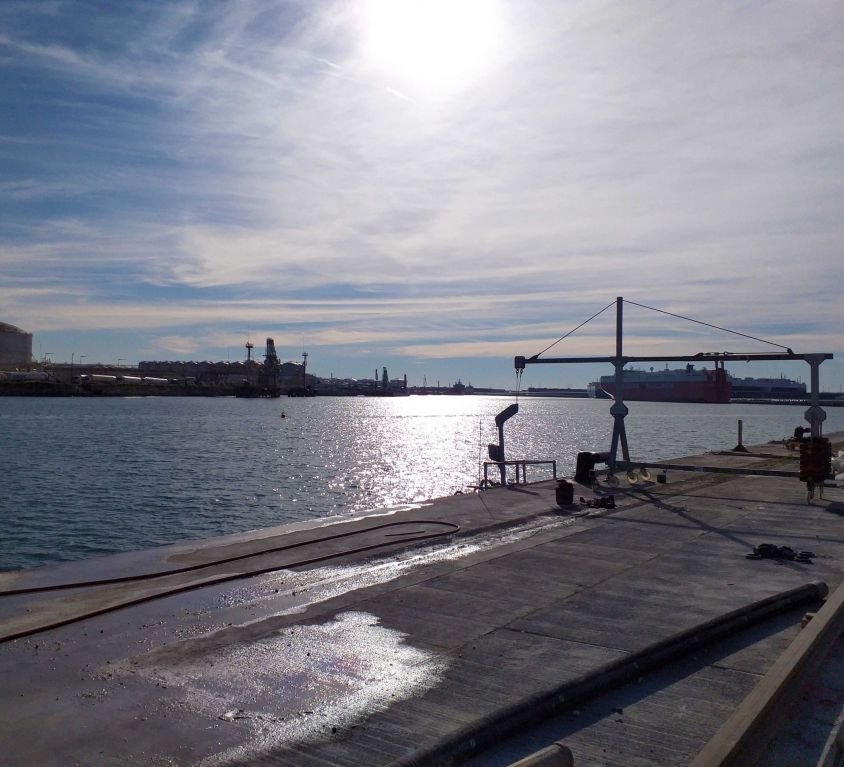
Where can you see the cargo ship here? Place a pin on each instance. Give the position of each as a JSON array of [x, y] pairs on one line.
[[690, 385], [686, 384], [768, 388]]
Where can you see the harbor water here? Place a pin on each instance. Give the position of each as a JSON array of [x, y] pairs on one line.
[[86, 477]]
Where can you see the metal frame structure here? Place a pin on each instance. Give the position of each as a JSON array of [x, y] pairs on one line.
[[521, 476], [815, 415]]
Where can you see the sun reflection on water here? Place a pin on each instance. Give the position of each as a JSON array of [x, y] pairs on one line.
[[89, 477]]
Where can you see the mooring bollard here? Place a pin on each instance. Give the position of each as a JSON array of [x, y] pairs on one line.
[[740, 448], [565, 493]]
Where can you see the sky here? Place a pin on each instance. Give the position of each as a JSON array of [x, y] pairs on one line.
[[432, 186]]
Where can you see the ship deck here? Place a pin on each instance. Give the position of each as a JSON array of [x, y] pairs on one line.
[[397, 639]]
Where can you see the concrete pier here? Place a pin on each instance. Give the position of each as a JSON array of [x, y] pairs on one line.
[[420, 636]]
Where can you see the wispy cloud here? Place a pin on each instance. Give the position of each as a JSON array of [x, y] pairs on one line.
[[181, 345], [236, 162]]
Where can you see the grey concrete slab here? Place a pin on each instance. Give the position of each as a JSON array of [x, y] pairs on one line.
[[615, 532], [662, 718], [428, 631], [517, 653], [553, 566], [612, 622], [493, 582], [585, 551], [440, 605]]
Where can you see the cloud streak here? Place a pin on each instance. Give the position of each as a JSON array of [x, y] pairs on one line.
[[236, 164]]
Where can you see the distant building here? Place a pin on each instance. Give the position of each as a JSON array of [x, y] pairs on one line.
[[15, 347], [290, 375]]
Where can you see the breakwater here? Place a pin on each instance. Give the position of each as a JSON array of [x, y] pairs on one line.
[[69, 389]]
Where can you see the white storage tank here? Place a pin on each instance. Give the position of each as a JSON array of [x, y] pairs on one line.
[[15, 346]]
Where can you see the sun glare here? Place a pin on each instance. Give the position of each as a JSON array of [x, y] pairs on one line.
[[441, 45]]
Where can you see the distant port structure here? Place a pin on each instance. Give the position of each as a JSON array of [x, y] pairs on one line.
[[245, 378], [15, 347], [21, 374]]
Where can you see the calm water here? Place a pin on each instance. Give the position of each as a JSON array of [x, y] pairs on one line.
[[83, 477]]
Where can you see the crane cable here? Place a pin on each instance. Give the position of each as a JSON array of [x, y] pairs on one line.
[[661, 311], [708, 324], [573, 330]]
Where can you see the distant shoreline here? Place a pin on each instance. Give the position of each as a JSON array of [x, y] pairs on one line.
[[64, 389]]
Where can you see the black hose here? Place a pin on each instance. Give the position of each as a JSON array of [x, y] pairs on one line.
[[211, 581], [227, 560]]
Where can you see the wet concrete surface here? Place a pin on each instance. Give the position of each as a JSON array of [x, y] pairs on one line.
[[364, 656]]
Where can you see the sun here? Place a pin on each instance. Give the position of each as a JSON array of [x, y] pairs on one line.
[[439, 45]]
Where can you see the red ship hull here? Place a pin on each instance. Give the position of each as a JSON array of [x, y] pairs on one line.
[[670, 392], [714, 388]]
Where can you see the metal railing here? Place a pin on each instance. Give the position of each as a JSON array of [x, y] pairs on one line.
[[521, 469]]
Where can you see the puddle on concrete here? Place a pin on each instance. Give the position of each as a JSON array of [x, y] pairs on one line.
[[304, 683], [311, 681]]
